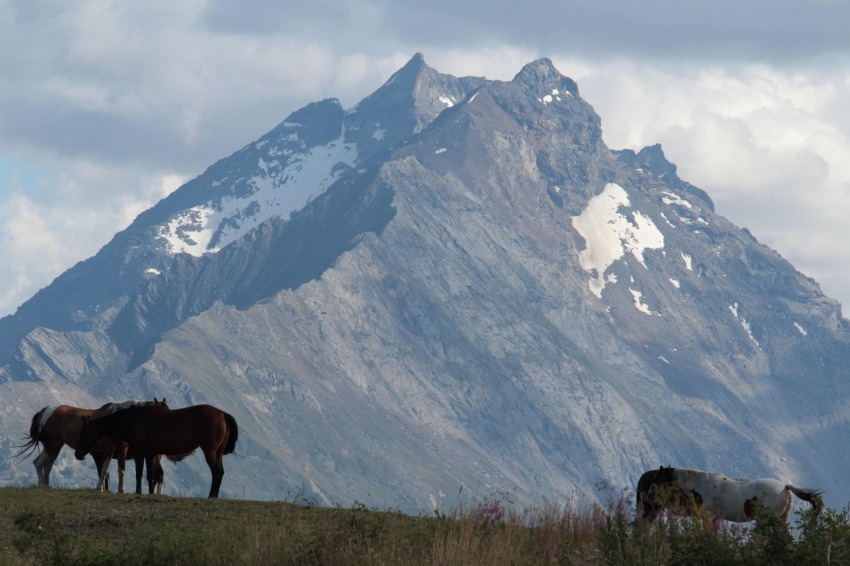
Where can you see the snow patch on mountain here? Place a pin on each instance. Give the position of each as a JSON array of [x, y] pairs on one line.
[[672, 199], [609, 234], [639, 304], [275, 192], [744, 323], [554, 96]]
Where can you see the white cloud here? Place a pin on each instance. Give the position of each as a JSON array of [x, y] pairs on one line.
[[56, 215], [768, 145]]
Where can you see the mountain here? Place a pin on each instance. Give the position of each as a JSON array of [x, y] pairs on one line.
[[452, 288]]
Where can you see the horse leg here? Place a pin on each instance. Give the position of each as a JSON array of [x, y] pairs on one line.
[[103, 467], [159, 473], [151, 474], [47, 466], [39, 462], [140, 463], [122, 464], [216, 469], [786, 515], [44, 462]]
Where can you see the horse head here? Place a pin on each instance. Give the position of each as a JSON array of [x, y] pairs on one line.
[[88, 438], [651, 490]]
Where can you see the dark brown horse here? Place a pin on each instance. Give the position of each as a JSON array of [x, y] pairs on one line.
[[154, 430], [55, 426]]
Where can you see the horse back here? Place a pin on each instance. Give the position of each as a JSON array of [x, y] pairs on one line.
[[154, 430], [62, 423]]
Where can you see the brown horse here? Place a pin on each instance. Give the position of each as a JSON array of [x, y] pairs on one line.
[[154, 430], [57, 425]]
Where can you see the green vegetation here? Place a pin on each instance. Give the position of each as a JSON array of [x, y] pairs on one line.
[[56, 526]]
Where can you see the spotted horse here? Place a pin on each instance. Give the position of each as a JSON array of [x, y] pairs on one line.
[[729, 499]]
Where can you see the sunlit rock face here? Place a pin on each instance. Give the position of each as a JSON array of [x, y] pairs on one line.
[[452, 289]]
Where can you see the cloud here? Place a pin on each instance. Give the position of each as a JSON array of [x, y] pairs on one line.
[[105, 106], [55, 214], [768, 144], [663, 29]]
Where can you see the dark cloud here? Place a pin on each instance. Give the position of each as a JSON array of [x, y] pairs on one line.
[[326, 18], [731, 30]]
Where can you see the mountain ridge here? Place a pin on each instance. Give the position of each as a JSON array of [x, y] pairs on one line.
[[485, 296]]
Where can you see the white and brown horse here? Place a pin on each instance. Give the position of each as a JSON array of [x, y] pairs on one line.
[[55, 426], [729, 499]]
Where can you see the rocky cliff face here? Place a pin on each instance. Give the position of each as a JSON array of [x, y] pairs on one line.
[[455, 283]]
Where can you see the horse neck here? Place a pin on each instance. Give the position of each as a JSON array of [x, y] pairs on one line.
[[110, 408], [113, 425], [687, 478]]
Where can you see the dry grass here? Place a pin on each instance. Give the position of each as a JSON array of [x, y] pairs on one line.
[[44, 526]]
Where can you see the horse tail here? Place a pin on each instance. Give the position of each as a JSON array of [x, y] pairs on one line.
[[232, 434], [810, 496], [31, 440]]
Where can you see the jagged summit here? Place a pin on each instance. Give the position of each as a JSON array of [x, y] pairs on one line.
[[452, 283], [411, 99], [411, 70], [542, 74], [652, 157]]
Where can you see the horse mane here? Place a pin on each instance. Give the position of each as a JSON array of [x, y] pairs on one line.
[[109, 419], [112, 407]]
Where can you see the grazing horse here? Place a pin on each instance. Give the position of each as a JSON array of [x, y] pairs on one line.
[[159, 430], [57, 425], [729, 499]]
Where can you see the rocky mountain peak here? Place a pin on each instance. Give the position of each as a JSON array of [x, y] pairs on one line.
[[411, 70], [652, 158], [541, 75]]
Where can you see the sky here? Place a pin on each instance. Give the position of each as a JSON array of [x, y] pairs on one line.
[[106, 107]]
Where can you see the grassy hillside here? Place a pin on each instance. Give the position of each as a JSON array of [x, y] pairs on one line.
[[44, 526]]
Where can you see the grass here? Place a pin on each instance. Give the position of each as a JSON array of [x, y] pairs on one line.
[[59, 526]]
